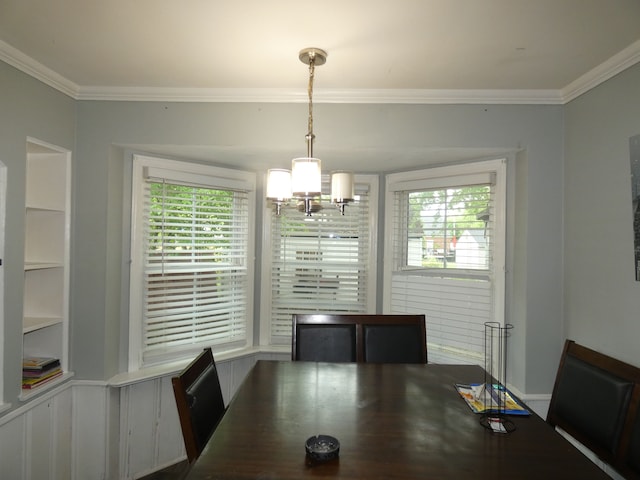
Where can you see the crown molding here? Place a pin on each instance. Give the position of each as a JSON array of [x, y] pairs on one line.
[[616, 64], [28, 65], [603, 72], [394, 96]]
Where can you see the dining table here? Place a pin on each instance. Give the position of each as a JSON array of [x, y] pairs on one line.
[[392, 421]]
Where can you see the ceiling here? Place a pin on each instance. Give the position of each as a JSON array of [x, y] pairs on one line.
[[403, 51]]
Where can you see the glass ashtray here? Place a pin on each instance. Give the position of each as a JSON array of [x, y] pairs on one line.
[[322, 447]]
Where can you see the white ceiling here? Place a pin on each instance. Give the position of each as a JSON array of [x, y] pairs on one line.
[[458, 51]]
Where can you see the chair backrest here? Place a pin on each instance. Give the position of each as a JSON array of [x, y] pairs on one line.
[[359, 338], [394, 339], [199, 401], [323, 338], [594, 400]]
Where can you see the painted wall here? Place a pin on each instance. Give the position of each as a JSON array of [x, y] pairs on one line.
[[602, 298], [28, 108], [259, 136]]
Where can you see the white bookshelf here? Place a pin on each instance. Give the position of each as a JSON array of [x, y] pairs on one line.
[[45, 325]]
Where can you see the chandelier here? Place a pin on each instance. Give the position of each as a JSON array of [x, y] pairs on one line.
[[303, 182]]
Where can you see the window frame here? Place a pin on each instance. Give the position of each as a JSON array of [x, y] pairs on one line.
[[197, 174], [438, 176]]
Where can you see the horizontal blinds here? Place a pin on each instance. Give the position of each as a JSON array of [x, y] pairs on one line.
[[195, 268], [443, 261], [319, 263], [456, 310]]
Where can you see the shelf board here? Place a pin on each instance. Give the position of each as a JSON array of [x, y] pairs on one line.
[[44, 208], [31, 265], [28, 393], [31, 324]]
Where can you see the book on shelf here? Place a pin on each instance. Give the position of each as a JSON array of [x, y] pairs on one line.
[[39, 364], [32, 382], [483, 398]]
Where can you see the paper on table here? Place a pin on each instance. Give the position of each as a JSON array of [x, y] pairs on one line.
[[496, 399]]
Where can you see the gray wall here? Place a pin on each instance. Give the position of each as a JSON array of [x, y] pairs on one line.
[[257, 136], [602, 298], [28, 108], [262, 135]]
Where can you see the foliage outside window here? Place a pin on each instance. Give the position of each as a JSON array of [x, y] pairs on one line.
[[449, 227]]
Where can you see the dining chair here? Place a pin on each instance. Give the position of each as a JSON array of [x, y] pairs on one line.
[[199, 401], [359, 338], [323, 338], [394, 339], [591, 398]]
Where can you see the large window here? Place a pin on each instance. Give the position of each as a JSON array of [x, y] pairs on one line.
[[322, 263], [445, 254], [192, 254]]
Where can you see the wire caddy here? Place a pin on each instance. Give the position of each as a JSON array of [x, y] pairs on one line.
[[495, 378]]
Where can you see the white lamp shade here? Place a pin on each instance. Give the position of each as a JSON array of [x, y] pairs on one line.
[[278, 184], [341, 187], [306, 177]]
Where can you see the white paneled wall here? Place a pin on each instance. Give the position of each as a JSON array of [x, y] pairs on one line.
[[84, 430], [36, 439]]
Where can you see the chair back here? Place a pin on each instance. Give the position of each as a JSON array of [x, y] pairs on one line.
[[199, 401], [595, 400], [395, 339], [323, 338], [359, 338]]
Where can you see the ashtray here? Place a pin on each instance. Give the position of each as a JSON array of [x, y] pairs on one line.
[[322, 448]]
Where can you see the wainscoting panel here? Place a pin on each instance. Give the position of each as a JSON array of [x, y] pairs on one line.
[[91, 416], [12, 448], [36, 440]]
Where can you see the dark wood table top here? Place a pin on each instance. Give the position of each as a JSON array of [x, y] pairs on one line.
[[392, 421]]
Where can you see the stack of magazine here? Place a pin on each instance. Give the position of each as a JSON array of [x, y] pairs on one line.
[[483, 398], [39, 370]]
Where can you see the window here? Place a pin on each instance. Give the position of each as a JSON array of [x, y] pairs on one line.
[[322, 263], [192, 254], [445, 254]]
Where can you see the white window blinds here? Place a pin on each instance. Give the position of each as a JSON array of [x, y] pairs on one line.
[[194, 270], [447, 246], [320, 263]]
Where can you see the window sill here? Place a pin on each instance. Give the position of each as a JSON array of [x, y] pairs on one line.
[[158, 371]]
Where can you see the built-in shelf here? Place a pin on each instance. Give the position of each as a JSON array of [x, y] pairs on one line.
[[31, 324], [45, 324], [29, 393], [40, 265]]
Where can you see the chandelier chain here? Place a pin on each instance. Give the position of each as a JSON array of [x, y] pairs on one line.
[[310, 91]]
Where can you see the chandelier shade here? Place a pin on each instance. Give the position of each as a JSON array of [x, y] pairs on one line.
[[306, 177], [279, 184], [341, 187]]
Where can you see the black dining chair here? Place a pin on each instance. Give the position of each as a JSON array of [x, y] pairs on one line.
[[394, 339], [323, 338], [359, 338], [199, 401]]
